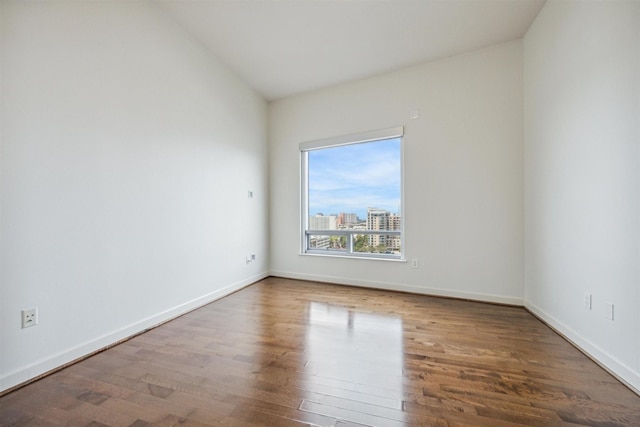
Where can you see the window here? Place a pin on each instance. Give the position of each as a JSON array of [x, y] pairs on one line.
[[352, 195]]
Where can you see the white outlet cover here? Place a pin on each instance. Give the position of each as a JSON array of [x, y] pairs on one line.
[[587, 300], [609, 310], [29, 317]]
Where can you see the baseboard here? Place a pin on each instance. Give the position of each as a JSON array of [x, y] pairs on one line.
[[497, 299], [43, 367], [27, 374], [619, 370]]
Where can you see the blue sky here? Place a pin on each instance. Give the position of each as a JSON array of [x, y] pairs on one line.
[[351, 178]]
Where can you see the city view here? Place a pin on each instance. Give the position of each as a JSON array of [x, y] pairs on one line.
[[355, 191], [358, 234]]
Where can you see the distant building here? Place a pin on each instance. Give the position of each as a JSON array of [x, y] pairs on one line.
[[380, 219], [395, 223], [377, 219], [320, 242], [347, 218], [323, 222]]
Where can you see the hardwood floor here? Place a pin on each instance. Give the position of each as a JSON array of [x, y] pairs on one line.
[[292, 353]]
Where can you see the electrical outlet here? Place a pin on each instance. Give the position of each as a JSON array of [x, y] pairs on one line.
[[587, 300], [29, 317], [251, 258], [250, 194], [415, 263], [608, 310]]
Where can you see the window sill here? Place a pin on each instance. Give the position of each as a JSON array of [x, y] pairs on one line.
[[374, 257]]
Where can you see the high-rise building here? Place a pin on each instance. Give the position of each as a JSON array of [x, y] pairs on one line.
[[380, 219], [377, 219], [395, 223], [323, 222], [347, 218]]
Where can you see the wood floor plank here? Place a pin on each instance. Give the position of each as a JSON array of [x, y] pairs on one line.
[[349, 415], [294, 353]]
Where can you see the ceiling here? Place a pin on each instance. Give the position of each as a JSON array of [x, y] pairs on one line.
[[285, 47]]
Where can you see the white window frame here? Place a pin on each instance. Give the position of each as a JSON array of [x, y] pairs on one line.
[[305, 233]]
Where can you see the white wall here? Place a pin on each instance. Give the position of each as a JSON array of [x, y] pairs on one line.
[[582, 185], [127, 154], [463, 174], [127, 150]]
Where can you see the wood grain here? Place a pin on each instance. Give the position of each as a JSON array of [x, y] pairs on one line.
[[293, 353]]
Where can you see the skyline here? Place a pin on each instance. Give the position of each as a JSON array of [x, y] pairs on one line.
[[352, 178]]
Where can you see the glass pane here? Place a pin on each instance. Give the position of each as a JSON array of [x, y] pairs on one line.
[[377, 244], [335, 243], [345, 182]]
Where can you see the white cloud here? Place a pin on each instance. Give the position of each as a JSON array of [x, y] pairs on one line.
[[353, 178]]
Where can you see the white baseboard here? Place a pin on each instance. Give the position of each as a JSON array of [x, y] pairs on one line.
[[55, 361], [619, 370], [499, 299], [25, 374]]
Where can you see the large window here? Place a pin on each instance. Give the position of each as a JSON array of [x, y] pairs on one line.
[[352, 195]]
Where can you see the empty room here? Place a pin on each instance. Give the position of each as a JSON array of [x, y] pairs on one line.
[[320, 212]]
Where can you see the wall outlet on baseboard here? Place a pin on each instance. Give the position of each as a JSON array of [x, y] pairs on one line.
[[415, 263]]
